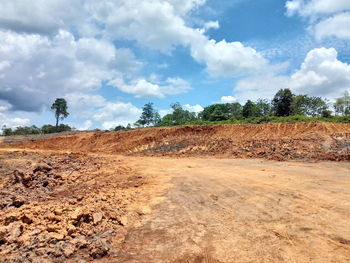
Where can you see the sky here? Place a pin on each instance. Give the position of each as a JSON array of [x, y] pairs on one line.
[[108, 58]]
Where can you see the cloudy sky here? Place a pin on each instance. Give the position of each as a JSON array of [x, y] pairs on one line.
[[110, 57]]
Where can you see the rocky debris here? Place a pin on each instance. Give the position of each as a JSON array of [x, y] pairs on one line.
[[64, 207]]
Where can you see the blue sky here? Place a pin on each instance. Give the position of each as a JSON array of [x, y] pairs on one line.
[[110, 57]]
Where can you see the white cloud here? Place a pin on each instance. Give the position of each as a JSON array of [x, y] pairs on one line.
[[226, 59], [327, 17], [337, 26], [321, 74], [316, 7], [10, 122], [211, 25], [97, 110], [118, 113], [42, 68], [86, 125], [157, 24], [228, 99], [143, 88], [195, 108]]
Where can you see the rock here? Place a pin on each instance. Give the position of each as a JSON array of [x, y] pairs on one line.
[[41, 167], [56, 235], [71, 230], [68, 250], [17, 176], [76, 214], [14, 231], [97, 218]]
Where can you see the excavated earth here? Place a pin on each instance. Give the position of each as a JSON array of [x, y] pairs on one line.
[[233, 193], [282, 141]]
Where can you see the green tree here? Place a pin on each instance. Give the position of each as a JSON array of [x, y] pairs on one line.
[[220, 112], [250, 110], [342, 105], [282, 103], [263, 107], [149, 117], [317, 107], [6, 131], [181, 116], [300, 105], [60, 107]]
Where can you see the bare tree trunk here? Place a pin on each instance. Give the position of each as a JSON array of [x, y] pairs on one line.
[[57, 117]]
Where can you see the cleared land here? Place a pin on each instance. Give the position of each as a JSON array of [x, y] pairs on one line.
[[77, 198]]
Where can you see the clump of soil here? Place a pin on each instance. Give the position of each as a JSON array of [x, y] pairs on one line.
[[65, 207]]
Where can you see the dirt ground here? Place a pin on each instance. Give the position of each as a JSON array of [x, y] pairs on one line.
[[107, 208], [178, 195]]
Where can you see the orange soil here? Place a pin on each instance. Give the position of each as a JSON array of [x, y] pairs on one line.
[[281, 141]]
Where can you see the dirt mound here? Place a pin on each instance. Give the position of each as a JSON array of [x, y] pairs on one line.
[[59, 207], [278, 141]]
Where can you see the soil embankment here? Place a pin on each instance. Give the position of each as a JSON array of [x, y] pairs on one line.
[[274, 141]]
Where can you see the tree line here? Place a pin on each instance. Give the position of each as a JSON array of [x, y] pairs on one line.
[[283, 104], [60, 109]]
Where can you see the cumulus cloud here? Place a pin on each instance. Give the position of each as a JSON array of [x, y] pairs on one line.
[[225, 59], [143, 88], [228, 99], [10, 122], [321, 74], [327, 17], [97, 109], [337, 26], [118, 113], [156, 24], [316, 7], [41, 68]]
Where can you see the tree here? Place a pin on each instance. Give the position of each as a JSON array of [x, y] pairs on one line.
[[178, 117], [181, 116], [221, 112], [250, 110], [60, 107], [149, 117], [263, 107], [282, 103], [342, 105], [6, 131]]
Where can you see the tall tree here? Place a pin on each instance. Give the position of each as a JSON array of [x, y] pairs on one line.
[[60, 107], [149, 117], [250, 110], [220, 112], [342, 105], [282, 102], [264, 107]]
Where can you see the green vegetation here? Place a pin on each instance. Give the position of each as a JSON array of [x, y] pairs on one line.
[[60, 107], [273, 119], [284, 107], [29, 130], [149, 116]]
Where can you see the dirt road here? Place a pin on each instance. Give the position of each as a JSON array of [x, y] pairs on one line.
[[224, 210], [245, 211]]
